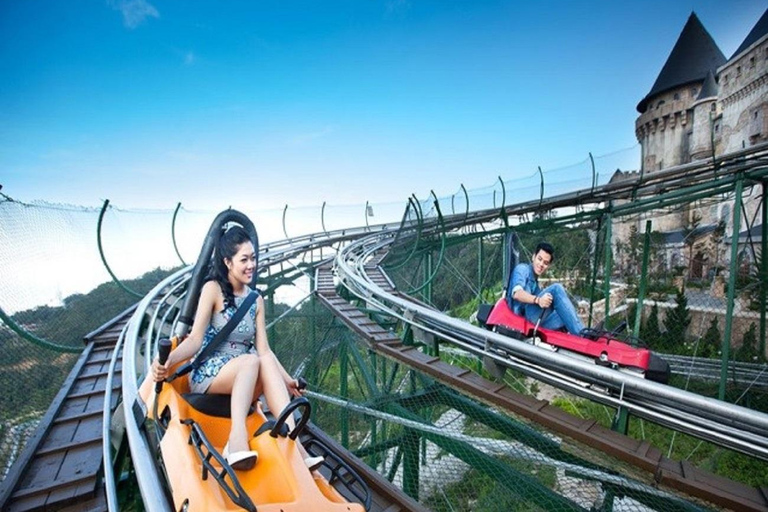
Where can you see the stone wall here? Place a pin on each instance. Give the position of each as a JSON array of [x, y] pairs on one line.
[[743, 99], [702, 317]]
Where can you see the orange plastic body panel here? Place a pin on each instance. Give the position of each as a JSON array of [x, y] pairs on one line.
[[280, 481]]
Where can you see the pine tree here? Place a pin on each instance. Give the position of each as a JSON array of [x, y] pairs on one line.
[[650, 332], [677, 321], [748, 350], [709, 346]]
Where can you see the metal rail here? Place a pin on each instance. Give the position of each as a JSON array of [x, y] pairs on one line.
[[722, 423], [147, 473]]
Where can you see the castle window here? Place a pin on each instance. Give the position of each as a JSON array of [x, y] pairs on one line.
[[660, 103], [677, 96], [713, 107], [738, 70], [751, 62], [725, 78], [725, 213]]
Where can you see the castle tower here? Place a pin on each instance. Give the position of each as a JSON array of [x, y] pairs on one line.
[[743, 95], [704, 114], [665, 126]]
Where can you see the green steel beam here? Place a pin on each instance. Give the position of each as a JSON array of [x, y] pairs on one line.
[[35, 339], [763, 272], [726, 345], [377, 448], [432, 275], [395, 463], [480, 264], [104, 259], [505, 425], [411, 463], [620, 421], [524, 486], [344, 392], [595, 265], [607, 269], [173, 234], [285, 211], [643, 277], [368, 378], [417, 236]]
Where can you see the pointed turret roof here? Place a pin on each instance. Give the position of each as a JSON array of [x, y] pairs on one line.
[[694, 54], [709, 89], [757, 32]]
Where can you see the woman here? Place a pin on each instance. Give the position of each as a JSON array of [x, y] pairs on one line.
[[235, 367]]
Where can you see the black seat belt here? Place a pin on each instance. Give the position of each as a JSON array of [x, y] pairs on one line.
[[220, 336]]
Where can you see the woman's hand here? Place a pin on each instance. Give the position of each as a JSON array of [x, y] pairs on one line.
[[293, 388], [159, 371]]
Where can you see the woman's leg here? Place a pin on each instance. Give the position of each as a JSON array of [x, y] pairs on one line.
[[238, 377], [273, 385], [276, 393]]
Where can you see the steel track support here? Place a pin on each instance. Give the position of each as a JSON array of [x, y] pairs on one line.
[[620, 421], [763, 271], [607, 269], [344, 392], [480, 263], [428, 263], [643, 278], [595, 264], [726, 346]]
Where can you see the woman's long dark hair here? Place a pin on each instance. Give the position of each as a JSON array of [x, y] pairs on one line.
[[226, 248]]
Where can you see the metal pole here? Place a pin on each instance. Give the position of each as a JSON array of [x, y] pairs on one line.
[[173, 233], [428, 276], [101, 252], [411, 464], [480, 264], [643, 277], [595, 263], [285, 231], [344, 392], [607, 269], [726, 346], [763, 272]]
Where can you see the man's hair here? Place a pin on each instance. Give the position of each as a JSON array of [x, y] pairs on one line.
[[547, 248]]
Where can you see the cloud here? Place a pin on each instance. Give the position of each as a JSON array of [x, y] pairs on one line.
[[189, 58], [134, 11]]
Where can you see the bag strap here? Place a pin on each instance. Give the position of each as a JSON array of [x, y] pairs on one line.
[[220, 336]]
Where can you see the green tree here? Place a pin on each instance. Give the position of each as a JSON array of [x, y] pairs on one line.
[[650, 332], [748, 351], [677, 321], [709, 345]]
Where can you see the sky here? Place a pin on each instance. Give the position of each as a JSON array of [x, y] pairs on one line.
[[265, 103]]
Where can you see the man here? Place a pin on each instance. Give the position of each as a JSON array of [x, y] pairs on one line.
[[526, 298]]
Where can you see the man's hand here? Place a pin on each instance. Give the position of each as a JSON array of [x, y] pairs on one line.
[[545, 300]]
